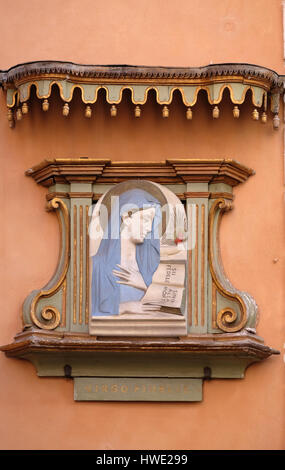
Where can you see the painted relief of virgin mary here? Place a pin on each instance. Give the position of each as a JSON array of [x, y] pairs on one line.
[[125, 263], [128, 252]]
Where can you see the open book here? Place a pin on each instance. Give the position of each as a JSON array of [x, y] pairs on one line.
[[167, 288]]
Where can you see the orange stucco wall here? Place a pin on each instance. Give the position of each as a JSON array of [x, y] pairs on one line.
[[40, 413]]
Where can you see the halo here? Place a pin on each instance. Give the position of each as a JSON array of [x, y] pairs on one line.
[[145, 185]]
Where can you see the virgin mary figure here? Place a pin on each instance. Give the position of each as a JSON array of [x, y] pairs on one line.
[[123, 267]]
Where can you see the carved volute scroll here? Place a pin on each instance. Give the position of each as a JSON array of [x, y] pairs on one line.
[[228, 319], [214, 329], [49, 316]]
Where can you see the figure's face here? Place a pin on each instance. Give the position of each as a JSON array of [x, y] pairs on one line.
[[140, 224]]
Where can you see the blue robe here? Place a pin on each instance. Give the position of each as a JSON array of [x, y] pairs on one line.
[[106, 293]]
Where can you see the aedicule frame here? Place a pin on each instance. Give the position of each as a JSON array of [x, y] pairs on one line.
[[221, 340]]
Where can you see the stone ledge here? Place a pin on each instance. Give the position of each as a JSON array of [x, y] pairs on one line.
[[222, 355]]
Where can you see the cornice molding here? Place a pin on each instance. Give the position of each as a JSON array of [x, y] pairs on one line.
[[37, 68], [35, 340], [175, 171]]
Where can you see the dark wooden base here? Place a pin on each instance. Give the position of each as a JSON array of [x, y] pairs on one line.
[[197, 356]]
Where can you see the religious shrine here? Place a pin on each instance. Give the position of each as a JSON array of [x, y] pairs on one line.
[[139, 307]]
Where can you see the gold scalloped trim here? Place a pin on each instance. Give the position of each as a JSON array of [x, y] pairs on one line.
[[114, 92]]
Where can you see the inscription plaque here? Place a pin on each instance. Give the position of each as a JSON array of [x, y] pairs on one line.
[[137, 389]]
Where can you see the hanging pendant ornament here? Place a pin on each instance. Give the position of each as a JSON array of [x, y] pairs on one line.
[[236, 112], [113, 111], [138, 112], [10, 118], [255, 115], [264, 118], [216, 112], [276, 122], [25, 108], [19, 114], [189, 114], [165, 112], [45, 105], [65, 110], [88, 112]]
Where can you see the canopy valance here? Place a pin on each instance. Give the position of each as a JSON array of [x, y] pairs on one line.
[[260, 82]]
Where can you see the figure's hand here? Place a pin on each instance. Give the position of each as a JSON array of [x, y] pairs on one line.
[[169, 250], [130, 277], [136, 307]]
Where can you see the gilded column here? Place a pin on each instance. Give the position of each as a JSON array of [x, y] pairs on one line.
[[197, 197], [81, 199]]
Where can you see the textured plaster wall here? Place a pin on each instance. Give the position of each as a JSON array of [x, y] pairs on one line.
[[40, 413]]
